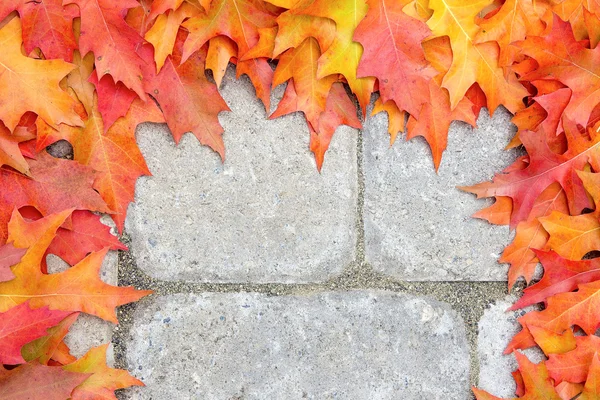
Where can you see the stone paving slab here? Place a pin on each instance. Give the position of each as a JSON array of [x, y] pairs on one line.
[[418, 226], [266, 215], [496, 329], [336, 345]]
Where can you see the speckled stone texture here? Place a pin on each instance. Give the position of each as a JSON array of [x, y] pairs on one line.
[[347, 345], [418, 225], [266, 215], [496, 329]]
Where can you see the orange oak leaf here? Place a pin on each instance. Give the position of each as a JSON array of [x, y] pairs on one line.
[[51, 345], [77, 289], [293, 29], [163, 33], [473, 62], [536, 382], [103, 380], [498, 213], [10, 153], [591, 390], [56, 185], [561, 57], [575, 236], [560, 275], [545, 114], [344, 54], [20, 325], [265, 46], [113, 42], [113, 154], [300, 65], [387, 33], [545, 167], [574, 365], [139, 17], [181, 93], [514, 21], [552, 342], [221, 50], [567, 390], [78, 80], [261, 75], [237, 19], [339, 110], [9, 256], [47, 24], [574, 12], [435, 118], [114, 99], [396, 117], [35, 381], [563, 310], [159, 7], [530, 235], [31, 85]]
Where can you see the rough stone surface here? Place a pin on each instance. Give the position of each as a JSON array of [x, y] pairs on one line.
[[496, 329], [337, 345], [265, 215], [89, 331], [418, 226]]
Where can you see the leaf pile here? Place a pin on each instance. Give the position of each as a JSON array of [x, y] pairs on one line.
[[89, 71]]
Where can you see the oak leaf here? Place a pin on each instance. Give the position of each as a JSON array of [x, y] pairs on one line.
[[221, 50], [473, 62], [575, 236], [181, 93], [51, 345], [434, 120], [561, 57], [103, 380], [536, 381], [35, 381], [113, 42], [591, 390], [545, 167], [560, 275], [20, 325], [56, 185], [514, 21], [237, 19], [344, 54], [551, 342], [387, 33], [10, 153], [163, 33], [531, 235], [114, 99], [339, 110], [113, 154], [9, 256], [300, 65], [574, 365], [31, 85], [47, 24], [77, 289], [396, 117]]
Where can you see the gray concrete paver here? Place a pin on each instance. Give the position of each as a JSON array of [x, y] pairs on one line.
[[418, 225], [334, 345], [265, 215]]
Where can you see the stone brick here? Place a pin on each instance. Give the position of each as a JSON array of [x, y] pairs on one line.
[[337, 345]]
